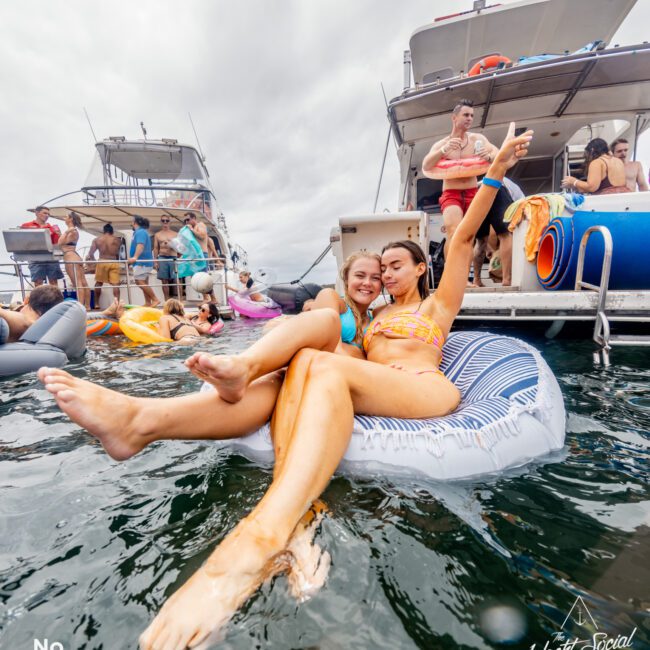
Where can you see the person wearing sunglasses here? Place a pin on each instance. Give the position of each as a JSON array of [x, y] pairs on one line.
[[208, 315], [165, 256]]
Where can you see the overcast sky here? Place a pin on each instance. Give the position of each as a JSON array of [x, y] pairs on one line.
[[285, 96]]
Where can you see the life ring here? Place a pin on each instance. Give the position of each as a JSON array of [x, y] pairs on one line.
[[488, 63], [102, 327], [246, 307], [512, 412], [458, 168], [139, 325]]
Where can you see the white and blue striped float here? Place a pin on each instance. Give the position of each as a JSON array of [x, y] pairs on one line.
[[511, 413]]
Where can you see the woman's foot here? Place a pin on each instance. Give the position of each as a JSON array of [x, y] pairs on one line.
[[195, 615], [228, 374], [309, 564], [110, 416]]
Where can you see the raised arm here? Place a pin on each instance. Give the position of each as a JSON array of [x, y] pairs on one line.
[[449, 295]]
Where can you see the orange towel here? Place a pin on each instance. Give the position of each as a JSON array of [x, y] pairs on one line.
[[536, 210]]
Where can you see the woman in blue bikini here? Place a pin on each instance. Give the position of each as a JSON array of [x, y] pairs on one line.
[[313, 417]]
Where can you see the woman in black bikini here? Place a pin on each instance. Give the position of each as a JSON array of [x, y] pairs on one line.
[[174, 325], [208, 315], [68, 244]]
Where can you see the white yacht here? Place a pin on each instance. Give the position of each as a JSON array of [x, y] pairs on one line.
[[558, 75], [150, 178]]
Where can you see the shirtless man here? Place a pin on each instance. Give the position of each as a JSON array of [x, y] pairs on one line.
[[634, 175], [14, 323], [164, 256], [457, 193], [108, 246]]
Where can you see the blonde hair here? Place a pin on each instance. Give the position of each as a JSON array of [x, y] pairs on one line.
[[173, 306], [345, 272]]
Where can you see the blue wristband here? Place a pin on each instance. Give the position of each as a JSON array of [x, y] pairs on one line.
[[492, 182]]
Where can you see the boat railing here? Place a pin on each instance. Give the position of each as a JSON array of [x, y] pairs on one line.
[[21, 272], [149, 196]]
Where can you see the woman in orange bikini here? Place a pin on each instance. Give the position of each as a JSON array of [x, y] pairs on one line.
[[313, 417]]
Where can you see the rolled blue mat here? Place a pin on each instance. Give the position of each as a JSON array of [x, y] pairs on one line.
[[557, 259]]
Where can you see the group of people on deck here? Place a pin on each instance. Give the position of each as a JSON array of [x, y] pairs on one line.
[[606, 170], [146, 254]]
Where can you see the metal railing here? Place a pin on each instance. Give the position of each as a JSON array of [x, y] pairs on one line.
[[22, 274]]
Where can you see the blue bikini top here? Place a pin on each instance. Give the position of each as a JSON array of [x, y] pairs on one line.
[[349, 327]]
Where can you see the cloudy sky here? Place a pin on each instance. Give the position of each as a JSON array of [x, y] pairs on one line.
[[285, 96]]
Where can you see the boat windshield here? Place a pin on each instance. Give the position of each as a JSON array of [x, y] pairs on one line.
[[158, 163]]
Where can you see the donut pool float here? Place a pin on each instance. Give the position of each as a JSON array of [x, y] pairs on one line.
[[243, 305], [139, 325], [458, 168], [511, 413], [102, 327]]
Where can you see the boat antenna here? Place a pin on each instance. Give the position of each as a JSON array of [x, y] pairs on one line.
[[144, 131], [90, 124], [198, 144], [383, 162]]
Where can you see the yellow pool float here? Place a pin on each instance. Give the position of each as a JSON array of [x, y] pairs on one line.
[[139, 325]]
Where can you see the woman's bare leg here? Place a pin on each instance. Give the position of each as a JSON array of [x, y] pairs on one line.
[[125, 425], [334, 388], [319, 329]]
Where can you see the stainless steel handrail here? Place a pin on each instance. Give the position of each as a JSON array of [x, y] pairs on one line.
[[602, 330], [128, 285]]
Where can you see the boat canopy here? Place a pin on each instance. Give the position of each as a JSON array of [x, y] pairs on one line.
[[527, 28], [124, 161], [563, 94]]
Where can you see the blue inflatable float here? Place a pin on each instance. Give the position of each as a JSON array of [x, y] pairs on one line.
[[628, 219]]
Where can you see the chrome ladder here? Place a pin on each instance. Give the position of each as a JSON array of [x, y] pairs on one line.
[[602, 333]]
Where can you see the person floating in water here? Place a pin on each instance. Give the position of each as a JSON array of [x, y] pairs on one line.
[[312, 413]]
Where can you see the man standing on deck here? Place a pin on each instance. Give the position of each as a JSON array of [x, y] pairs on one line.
[[141, 256], [634, 175], [457, 193], [108, 268], [165, 256], [41, 271]]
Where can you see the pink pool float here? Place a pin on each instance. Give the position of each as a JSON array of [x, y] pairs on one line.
[[243, 305]]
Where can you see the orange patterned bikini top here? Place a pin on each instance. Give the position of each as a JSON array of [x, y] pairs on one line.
[[408, 325]]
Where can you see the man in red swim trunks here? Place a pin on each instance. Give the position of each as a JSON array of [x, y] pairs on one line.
[[457, 193]]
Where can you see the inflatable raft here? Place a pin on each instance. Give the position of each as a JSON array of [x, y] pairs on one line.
[[102, 327], [139, 325], [56, 337], [243, 305], [511, 412]]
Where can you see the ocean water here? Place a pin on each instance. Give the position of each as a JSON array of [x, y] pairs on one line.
[[91, 548]]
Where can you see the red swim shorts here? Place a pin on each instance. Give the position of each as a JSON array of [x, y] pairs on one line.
[[461, 198]]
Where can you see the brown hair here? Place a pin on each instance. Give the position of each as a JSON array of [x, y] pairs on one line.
[[43, 298], [76, 219], [595, 149], [345, 273], [173, 306], [463, 102], [418, 257], [618, 141]]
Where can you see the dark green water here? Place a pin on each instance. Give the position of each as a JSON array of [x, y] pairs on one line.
[[91, 548]]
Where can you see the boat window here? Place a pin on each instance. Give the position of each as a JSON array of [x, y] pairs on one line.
[[428, 194]]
